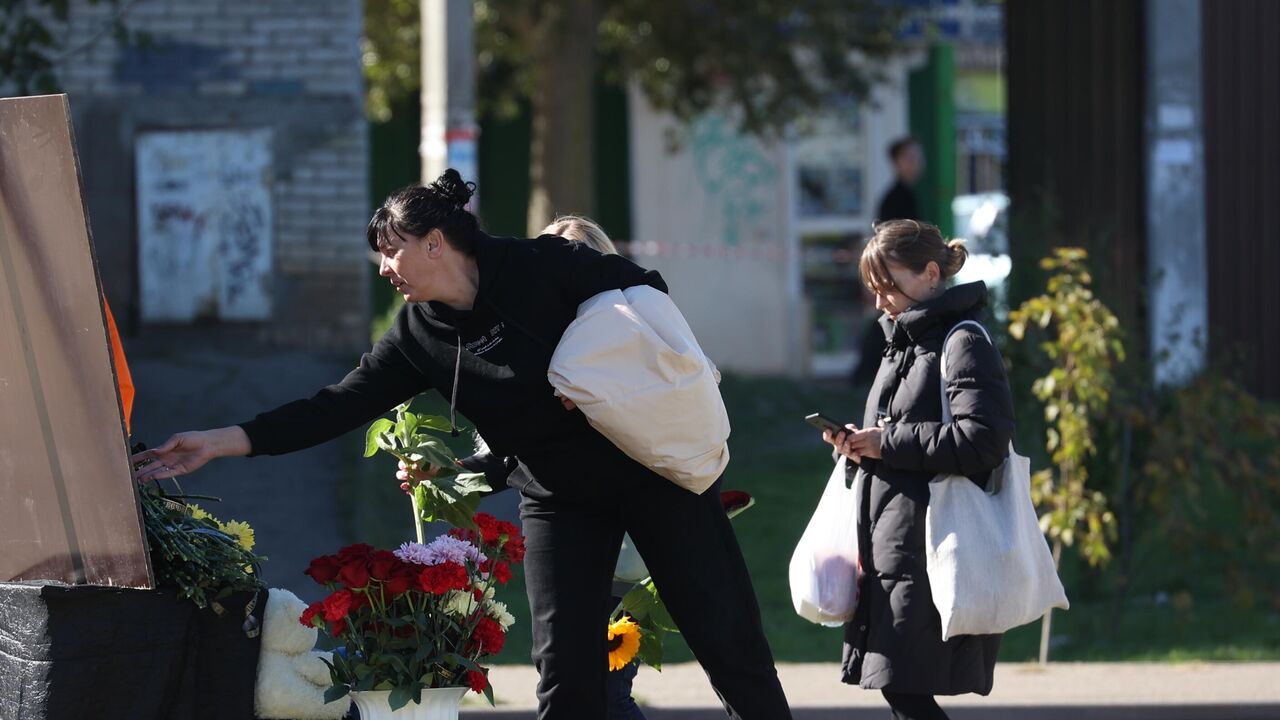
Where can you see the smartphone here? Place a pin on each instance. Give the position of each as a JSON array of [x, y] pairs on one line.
[[822, 422]]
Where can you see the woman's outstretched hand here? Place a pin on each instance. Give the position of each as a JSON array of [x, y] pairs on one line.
[[187, 452]]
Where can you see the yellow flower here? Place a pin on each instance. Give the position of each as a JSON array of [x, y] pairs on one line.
[[624, 643], [240, 531], [197, 512]]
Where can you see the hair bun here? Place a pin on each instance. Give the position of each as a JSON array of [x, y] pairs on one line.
[[452, 189]]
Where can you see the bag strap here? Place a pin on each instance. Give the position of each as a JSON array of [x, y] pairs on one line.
[[942, 370]]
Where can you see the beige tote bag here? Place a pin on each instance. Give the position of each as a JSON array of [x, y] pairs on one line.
[[633, 367]]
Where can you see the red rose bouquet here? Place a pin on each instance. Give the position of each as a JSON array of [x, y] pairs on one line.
[[421, 616]]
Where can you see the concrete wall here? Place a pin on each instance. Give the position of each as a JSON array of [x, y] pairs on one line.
[[291, 67]]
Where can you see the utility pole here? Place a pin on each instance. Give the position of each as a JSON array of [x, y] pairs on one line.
[[449, 130]]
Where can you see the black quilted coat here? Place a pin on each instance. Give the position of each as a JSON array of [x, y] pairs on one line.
[[895, 641]]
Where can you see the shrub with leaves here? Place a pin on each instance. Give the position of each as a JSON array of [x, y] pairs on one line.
[[1211, 478], [1081, 339]]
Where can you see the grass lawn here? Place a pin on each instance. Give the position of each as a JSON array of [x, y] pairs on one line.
[[782, 462]]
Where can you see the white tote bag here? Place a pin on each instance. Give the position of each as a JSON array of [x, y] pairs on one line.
[[631, 364], [824, 568], [989, 565]]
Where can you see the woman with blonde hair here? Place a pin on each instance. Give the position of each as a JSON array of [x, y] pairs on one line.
[[894, 643]]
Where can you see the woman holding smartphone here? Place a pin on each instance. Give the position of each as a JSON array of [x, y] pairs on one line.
[[894, 643]]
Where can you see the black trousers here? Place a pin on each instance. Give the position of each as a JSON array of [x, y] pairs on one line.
[[913, 707], [573, 531]]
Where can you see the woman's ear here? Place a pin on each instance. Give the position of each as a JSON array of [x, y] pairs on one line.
[[933, 273], [435, 242]]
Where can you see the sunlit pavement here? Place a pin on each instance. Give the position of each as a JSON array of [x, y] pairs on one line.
[[1105, 691]]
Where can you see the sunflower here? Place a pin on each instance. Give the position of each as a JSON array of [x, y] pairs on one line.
[[624, 642]]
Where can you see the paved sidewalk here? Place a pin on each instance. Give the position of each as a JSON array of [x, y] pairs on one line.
[[1195, 691]]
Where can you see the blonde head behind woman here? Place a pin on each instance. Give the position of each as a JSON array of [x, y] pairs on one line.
[[576, 228]]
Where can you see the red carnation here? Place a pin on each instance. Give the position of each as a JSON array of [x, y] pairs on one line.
[[735, 501], [323, 569], [440, 579], [337, 627], [514, 549], [359, 552], [502, 572], [354, 575], [404, 578], [488, 637], [382, 564], [477, 681], [337, 605], [488, 525], [309, 615]]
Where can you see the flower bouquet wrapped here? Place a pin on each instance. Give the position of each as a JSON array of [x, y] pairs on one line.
[[418, 619]]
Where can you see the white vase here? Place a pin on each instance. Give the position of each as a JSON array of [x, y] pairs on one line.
[[437, 704]]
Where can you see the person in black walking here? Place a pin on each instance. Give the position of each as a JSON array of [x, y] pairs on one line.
[[898, 203], [481, 319], [894, 642]]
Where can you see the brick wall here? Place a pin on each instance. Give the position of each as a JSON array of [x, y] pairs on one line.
[[292, 66]]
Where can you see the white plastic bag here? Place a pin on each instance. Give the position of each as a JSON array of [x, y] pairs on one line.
[[824, 569], [989, 565]]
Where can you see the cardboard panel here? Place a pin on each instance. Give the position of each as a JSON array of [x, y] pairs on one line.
[[68, 503]]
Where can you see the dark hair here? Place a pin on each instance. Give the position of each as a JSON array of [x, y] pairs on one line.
[[900, 146], [912, 244], [415, 211]]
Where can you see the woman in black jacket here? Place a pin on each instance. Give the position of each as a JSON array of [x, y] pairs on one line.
[[481, 319], [894, 643]]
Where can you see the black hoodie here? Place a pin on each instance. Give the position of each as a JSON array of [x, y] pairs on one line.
[[529, 291]]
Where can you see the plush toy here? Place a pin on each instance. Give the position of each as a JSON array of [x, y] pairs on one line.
[[291, 677]]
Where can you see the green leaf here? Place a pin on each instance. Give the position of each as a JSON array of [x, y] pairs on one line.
[[488, 695], [334, 693], [400, 696], [435, 422], [432, 451], [378, 427], [651, 649]]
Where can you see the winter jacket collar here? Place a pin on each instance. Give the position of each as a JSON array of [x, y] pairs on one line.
[[931, 319]]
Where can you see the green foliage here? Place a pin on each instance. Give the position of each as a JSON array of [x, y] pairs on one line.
[[29, 50], [1211, 486], [452, 494], [1082, 344], [390, 52], [773, 61]]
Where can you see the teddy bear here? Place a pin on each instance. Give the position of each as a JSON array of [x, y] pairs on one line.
[[291, 676]]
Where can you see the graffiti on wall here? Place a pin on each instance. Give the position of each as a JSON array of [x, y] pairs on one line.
[[204, 224], [740, 178]]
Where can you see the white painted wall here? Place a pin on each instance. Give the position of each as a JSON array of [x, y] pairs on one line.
[[717, 217], [712, 219]]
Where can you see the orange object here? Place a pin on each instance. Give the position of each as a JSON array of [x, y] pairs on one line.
[[123, 378]]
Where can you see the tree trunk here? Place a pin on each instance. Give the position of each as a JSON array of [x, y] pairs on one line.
[[561, 170], [1046, 627]]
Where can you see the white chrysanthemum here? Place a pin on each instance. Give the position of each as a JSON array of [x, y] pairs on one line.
[[498, 611], [459, 603]]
